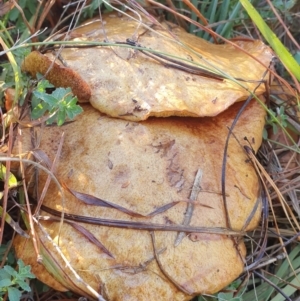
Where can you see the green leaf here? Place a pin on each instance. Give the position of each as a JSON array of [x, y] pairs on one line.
[[25, 271], [49, 99], [61, 117], [11, 271], [35, 101], [31, 5], [74, 111], [23, 285], [284, 55], [39, 110], [60, 93], [12, 181], [21, 264], [4, 274], [14, 294], [4, 283], [275, 128], [61, 102], [23, 3], [72, 102], [52, 119], [43, 84], [14, 14]]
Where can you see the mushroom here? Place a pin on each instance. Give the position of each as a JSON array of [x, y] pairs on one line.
[[144, 215], [134, 85], [142, 167]]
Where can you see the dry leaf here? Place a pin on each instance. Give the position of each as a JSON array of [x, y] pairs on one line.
[[159, 158]]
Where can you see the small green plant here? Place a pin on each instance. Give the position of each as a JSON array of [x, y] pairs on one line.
[[278, 117], [61, 103], [14, 282]]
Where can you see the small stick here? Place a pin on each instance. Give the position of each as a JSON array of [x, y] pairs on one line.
[[190, 207]]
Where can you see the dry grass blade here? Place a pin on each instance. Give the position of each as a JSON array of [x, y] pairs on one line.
[[181, 66], [91, 238], [252, 213], [52, 170], [41, 156], [141, 225], [48, 5], [69, 267], [9, 246], [260, 250], [287, 210], [94, 201], [13, 224]]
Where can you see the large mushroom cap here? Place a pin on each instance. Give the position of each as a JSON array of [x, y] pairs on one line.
[[133, 85], [143, 167]]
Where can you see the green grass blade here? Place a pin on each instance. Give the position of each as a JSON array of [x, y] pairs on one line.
[[227, 28], [211, 15], [284, 271], [288, 290], [284, 55], [224, 11], [194, 18]]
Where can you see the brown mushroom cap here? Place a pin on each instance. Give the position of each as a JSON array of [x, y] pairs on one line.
[[131, 85], [128, 84], [141, 167]]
